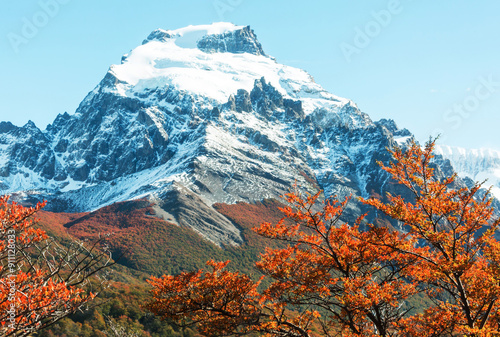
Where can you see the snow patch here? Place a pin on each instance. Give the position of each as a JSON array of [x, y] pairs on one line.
[[402, 140]]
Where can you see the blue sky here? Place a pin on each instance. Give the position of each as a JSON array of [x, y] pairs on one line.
[[432, 66]]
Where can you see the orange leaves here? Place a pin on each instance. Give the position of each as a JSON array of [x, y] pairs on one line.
[[222, 301], [333, 277], [278, 231], [460, 259], [328, 267], [15, 218], [34, 298], [40, 282]]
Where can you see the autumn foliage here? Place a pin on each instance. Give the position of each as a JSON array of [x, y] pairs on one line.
[[41, 281], [334, 279], [458, 264]]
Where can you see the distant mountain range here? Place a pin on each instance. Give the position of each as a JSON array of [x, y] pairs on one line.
[[198, 116], [476, 164]]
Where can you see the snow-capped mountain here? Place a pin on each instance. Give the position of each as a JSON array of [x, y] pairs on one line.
[[193, 117], [476, 164]]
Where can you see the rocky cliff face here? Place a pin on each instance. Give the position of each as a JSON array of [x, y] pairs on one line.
[[193, 117]]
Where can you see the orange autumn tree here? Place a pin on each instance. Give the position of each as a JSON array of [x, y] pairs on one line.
[[329, 279], [459, 267], [333, 279], [40, 280]]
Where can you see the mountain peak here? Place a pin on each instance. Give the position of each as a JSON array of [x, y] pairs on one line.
[[210, 62], [220, 37]]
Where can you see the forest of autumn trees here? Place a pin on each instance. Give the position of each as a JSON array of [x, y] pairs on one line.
[[42, 281], [328, 278], [334, 279]]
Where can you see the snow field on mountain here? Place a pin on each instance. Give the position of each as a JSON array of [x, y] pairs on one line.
[[214, 75]]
